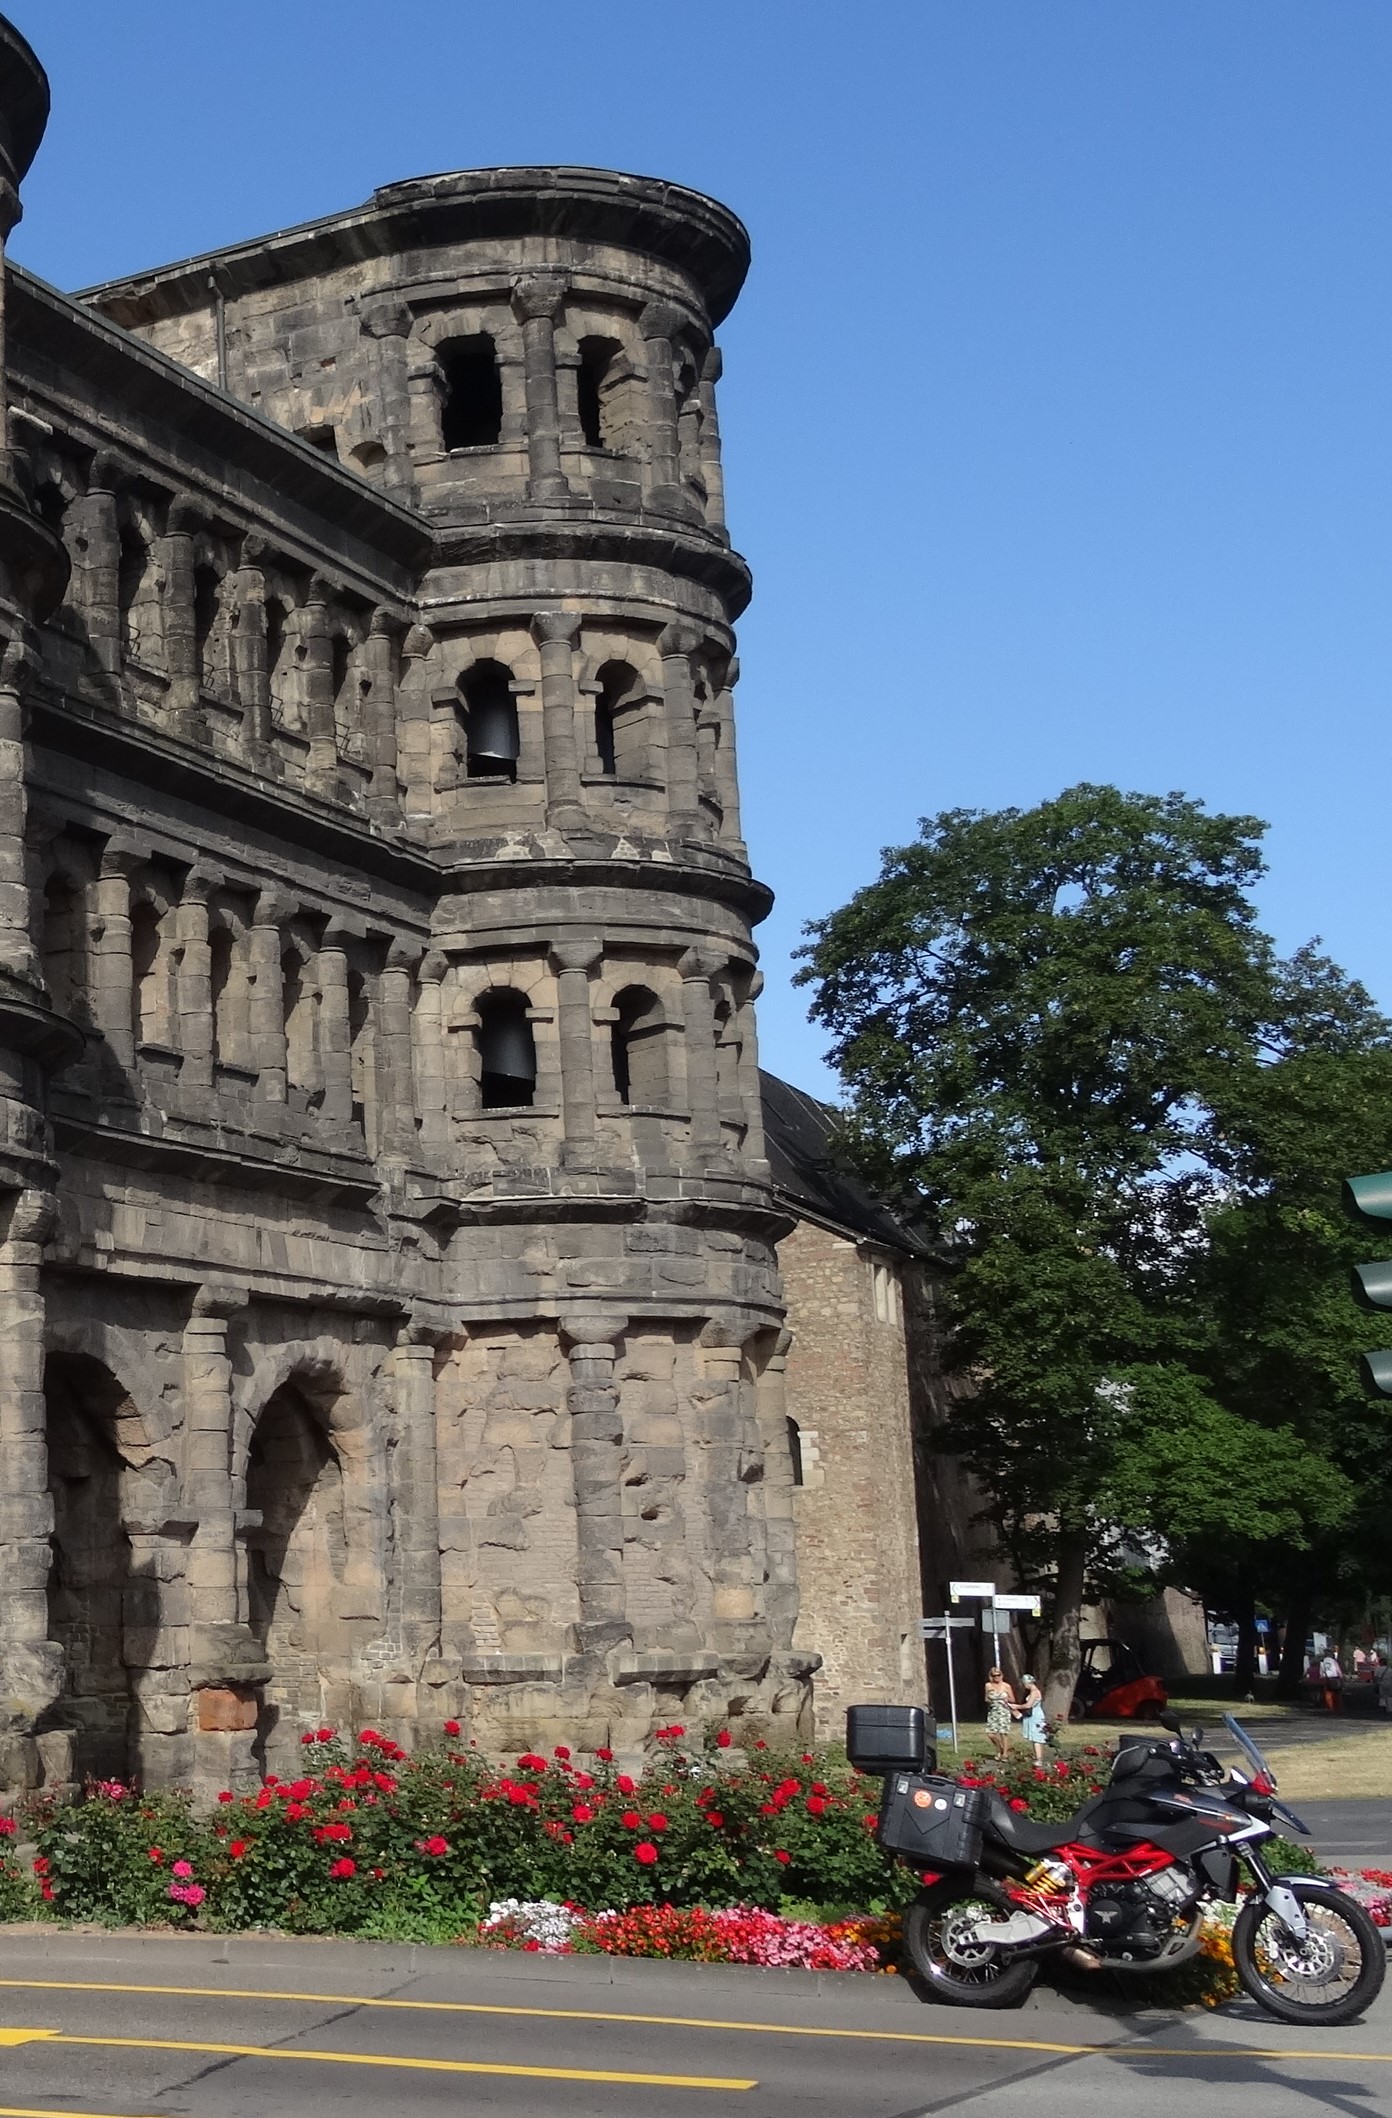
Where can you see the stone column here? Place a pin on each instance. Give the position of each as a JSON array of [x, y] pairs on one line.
[[573, 962], [416, 1492], [225, 1661], [596, 1463], [380, 663], [432, 1087], [180, 632], [31, 1665], [697, 968], [537, 302], [555, 632], [16, 945], [249, 647], [113, 1000], [751, 1096], [335, 1036], [780, 1528], [676, 644], [659, 324], [194, 988], [386, 324], [97, 561], [399, 1090], [321, 770], [726, 768], [266, 1013], [712, 467], [413, 725]]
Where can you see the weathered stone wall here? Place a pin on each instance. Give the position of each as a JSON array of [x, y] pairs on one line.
[[856, 1540]]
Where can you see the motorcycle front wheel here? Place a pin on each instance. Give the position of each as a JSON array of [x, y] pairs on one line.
[[964, 1973], [1330, 1976]]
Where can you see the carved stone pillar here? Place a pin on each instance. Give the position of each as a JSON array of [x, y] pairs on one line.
[[751, 1096], [386, 325], [226, 1662], [398, 1073], [266, 1012], [676, 644], [596, 1464], [702, 1072], [16, 947], [537, 302], [335, 1035], [249, 648], [185, 520], [413, 725], [380, 662], [573, 962], [712, 467], [659, 324], [31, 1665], [97, 561], [113, 979], [195, 982], [432, 1087], [416, 1492], [321, 769], [555, 632], [726, 768]]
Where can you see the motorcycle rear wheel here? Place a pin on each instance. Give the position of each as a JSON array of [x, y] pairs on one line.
[[1331, 1977], [971, 1975]]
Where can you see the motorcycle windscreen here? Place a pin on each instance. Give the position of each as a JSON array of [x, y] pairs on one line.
[[1246, 1745]]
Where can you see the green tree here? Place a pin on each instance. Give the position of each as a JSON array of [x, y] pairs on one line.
[[1042, 1017]]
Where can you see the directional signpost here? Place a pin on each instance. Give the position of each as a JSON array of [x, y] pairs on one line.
[[1369, 1201], [943, 1629]]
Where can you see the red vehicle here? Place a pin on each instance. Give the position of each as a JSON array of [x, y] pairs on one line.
[[1112, 1685]]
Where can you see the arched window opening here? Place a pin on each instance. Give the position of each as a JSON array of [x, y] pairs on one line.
[[594, 390], [491, 735], [795, 1452], [277, 659], [300, 999], [50, 506], [206, 607], [471, 412], [151, 1009], [639, 1043], [621, 722], [136, 596], [361, 1053], [507, 1052], [341, 666], [63, 944]]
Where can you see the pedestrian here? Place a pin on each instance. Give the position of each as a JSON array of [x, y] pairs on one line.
[[1331, 1678], [1000, 1706], [1033, 1726], [1384, 1685]]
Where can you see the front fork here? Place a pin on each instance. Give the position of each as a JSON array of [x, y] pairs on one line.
[[1278, 1894]]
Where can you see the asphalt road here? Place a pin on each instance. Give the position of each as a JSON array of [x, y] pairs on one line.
[[1349, 1834], [134, 2026]]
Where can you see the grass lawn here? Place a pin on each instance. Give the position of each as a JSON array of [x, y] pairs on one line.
[[1320, 1761]]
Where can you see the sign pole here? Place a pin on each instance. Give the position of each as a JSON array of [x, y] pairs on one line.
[[952, 1686]]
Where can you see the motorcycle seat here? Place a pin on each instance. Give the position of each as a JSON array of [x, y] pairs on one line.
[[1024, 1834]]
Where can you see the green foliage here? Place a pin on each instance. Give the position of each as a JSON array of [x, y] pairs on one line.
[[1076, 1063]]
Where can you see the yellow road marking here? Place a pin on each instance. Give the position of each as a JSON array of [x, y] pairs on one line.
[[387, 2059], [28, 2110], [677, 2022], [8, 2037]]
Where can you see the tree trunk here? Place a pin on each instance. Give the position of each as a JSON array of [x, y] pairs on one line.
[[1245, 1663], [1065, 1654], [1293, 1647]]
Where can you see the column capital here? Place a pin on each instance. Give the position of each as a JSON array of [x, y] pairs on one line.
[[660, 320], [386, 319], [105, 472], [273, 907], [253, 550], [186, 516], [199, 885], [216, 1301], [433, 967], [698, 966], [418, 642], [122, 856], [386, 624], [33, 1217], [681, 637], [713, 366], [404, 955], [598, 1327], [539, 294], [419, 1333], [577, 955], [19, 665], [556, 625]]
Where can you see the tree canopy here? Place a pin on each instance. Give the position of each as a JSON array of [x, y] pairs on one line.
[[1077, 1062]]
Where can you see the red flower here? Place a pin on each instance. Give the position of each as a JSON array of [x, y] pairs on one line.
[[646, 1852], [631, 1820], [7, 1827], [584, 1779], [783, 1857], [530, 1762], [310, 1738], [624, 1784], [342, 1870], [582, 1813], [714, 1818], [237, 1848], [816, 1806], [41, 1866], [435, 1846], [296, 1812], [1017, 1803], [156, 1855], [657, 1821], [560, 1752], [451, 1728], [226, 1795], [724, 1739], [606, 1757], [761, 1744], [46, 1892]]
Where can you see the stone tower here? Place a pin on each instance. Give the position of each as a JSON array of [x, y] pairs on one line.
[[409, 1297]]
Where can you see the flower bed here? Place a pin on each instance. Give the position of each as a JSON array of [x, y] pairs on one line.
[[738, 1934]]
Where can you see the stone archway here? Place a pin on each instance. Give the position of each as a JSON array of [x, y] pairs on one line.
[[103, 1600], [315, 1579]]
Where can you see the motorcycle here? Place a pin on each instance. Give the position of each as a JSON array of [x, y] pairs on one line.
[[1122, 1884]]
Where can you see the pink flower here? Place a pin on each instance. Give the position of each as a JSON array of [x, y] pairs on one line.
[[183, 1869], [646, 1852], [191, 1894]]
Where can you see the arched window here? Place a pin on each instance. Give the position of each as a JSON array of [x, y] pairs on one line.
[[345, 703], [279, 662], [594, 390], [490, 722], [795, 1452], [640, 1049], [621, 737], [151, 999], [507, 1051], [206, 608], [471, 411], [136, 595], [63, 944], [300, 999]]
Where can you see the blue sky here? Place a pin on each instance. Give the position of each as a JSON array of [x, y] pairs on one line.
[[1058, 408]]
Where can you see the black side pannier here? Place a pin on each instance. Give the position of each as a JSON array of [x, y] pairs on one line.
[[931, 1822], [889, 1739]]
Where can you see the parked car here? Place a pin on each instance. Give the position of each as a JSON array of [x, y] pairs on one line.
[[1113, 1685]]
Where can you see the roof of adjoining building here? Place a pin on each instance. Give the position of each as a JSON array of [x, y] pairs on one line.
[[799, 1132]]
